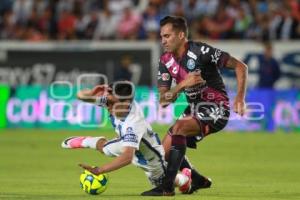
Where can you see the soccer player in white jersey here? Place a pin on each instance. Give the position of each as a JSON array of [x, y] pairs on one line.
[[136, 142]]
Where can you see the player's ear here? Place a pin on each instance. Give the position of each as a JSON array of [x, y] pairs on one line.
[[181, 35]]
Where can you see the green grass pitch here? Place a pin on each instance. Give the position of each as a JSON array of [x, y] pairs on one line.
[[242, 165]]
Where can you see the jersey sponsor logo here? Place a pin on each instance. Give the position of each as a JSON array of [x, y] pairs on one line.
[[191, 64], [130, 136], [170, 63], [192, 55], [174, 70], [172, 66], [215, 58], [193, 92], [204, 49], [165, 76]]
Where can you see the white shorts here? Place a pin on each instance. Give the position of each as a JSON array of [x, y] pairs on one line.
[[153, 169]]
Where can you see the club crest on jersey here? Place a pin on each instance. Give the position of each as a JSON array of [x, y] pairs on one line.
[[191, 64], [165, 76]]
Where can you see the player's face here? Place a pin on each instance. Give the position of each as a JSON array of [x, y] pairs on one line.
[[121, 109], [116, 107], [170, 38]]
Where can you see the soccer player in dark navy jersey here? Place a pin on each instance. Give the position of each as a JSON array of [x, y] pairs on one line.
[[194, 66]]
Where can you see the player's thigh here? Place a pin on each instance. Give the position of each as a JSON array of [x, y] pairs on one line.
[[187, 126], [113, 147], [211, 118]]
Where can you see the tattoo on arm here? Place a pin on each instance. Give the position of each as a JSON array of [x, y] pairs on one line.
[[232, 63], [168, 95], [241, 71]]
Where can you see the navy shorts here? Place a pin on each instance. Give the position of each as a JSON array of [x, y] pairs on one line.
[[211, 118]]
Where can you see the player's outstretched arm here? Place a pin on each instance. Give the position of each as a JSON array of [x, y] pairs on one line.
[[86, 95], [121, 161], [97, 95], [241, 71]]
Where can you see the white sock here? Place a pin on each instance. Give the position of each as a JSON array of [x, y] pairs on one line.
[[181, 179], [91, 142]]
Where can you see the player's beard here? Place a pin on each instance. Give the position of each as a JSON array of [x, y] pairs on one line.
[[166, 48], [170, 49]]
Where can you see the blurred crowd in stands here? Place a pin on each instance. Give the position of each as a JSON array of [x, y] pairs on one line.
[[40, 20]]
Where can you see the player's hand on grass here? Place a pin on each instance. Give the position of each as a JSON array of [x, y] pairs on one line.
[[193, 78], [239, 105], [93, 170]]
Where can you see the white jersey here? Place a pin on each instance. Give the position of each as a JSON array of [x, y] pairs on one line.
[[135, 132]]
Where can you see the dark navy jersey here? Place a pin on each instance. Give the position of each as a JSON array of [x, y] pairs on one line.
[[198, 57]]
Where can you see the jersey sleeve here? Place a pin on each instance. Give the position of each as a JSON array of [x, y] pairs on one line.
[[212, 56], [164, 77], [132, 136]]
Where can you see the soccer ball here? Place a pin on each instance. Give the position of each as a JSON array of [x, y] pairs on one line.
[[93, 184]]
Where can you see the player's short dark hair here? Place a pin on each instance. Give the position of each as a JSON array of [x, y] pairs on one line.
[[178, 23], [124, 90], [267, 44]]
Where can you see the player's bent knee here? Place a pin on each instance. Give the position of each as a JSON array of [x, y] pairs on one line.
[[100, 144], [179, 128], [188, 127]]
